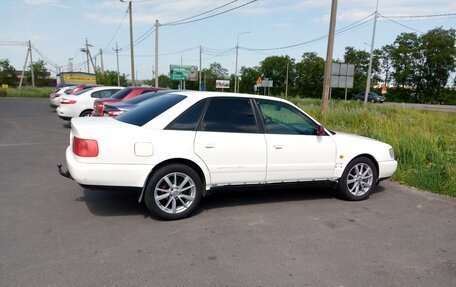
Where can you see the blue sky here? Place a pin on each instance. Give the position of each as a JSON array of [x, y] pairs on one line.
[[58, 28]]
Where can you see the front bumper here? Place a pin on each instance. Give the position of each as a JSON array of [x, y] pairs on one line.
[[386, 168]]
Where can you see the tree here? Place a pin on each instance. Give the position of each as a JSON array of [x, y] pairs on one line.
[[213, 73], [360, 59], [439, 60], [248, 76], [309, 75], [109, 78], [405, 56], [7, 73], [41, 74], [275, 68]]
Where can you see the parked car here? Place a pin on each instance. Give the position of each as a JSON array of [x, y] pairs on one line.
[[80, 104], [123, 95], [55, 96], [177, 146], [83, 87], [372, 97], [116, 109]]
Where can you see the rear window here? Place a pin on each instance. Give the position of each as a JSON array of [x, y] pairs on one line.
[[83, 91], [150, 109], [121, 94]]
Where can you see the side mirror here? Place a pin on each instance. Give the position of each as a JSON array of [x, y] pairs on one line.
[[320, 130]]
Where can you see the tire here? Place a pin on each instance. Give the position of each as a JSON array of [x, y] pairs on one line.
[[173, 192], [360, 172], [87, 113]]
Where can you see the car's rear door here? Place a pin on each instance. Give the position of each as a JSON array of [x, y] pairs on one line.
[[231, 143]]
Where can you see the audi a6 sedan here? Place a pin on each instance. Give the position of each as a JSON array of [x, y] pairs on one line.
[[179, 145]]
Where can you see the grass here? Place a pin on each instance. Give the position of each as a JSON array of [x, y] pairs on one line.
[[27, 92], [424, 141]]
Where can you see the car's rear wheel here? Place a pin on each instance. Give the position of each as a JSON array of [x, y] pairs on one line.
[[173, 192], [87, 113], [358, 180]]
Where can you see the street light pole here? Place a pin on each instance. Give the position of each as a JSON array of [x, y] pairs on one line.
[[369, 71], [236, 84]]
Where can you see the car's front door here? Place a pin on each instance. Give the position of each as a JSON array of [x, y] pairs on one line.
[[294, 151], [231, 143]]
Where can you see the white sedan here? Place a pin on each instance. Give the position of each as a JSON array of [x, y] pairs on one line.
[[179, 145], [81, 104]]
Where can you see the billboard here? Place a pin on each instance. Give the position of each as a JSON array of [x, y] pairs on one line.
[[184, 73], [222, 84], [75, 78], [342, 75]]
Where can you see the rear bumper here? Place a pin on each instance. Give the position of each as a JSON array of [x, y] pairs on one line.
[[115, 175]]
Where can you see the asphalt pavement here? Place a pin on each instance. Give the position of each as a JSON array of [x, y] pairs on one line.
[[54, 233]]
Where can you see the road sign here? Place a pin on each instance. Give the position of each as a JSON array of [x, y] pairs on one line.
[[258, 81], [342, 75], [267, 83], [384, 89]]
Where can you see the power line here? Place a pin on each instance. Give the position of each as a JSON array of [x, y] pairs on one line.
[[117, 31], [344, 29], [200, 14], [400, 24], [421, 16], [210, 16]]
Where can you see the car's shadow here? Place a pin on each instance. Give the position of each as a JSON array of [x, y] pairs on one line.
[[121, 202]]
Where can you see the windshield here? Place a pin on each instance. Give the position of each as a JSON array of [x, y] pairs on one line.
[[121, 94], [150, 109]]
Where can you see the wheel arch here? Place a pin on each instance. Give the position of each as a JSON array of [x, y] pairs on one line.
[[86, 110], [183, 161], [369, 156]]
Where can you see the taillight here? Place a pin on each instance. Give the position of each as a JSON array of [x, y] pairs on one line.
[[115, 113], [99, 108], [85, 147], [67, 102]]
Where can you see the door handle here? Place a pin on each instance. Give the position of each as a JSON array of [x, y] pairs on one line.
[[210, 146], [278, 146]]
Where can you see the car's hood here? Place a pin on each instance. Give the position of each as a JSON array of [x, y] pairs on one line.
[[355, 141]]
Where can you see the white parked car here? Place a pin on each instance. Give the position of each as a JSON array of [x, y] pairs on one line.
[[55, 96], [176, 146], [81, 103]]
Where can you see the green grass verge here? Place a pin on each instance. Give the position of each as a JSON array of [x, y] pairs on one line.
[[424, 141], [41, 92]]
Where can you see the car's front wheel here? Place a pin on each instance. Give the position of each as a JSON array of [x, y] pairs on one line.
[[358, 179], [173, 192]]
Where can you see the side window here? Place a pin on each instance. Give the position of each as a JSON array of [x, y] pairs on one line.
[[281, 118], [232, 115], [97, 94], [189, 119], [107, 93]]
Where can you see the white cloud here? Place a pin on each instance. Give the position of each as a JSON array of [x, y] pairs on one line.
[[54, 3]]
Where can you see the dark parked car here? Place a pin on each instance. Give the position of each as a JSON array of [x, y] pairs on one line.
[[120, 96], [116, 109], [373, 97]]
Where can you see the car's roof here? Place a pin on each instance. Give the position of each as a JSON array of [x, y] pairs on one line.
[[204, 94], [105, 88]]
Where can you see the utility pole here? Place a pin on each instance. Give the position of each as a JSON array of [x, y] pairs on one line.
[[132, 55], [199, 77], [31, 64], [156, 53], [23, 69], [329, 54], [286, 82], [87, 55], [236, 85], [91, 60], [101, 59], [117, 56], [369, 71]]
